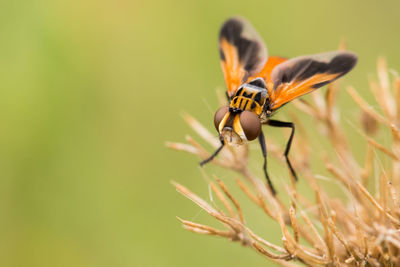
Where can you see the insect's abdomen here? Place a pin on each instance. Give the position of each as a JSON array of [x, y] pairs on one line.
[[248, 98]]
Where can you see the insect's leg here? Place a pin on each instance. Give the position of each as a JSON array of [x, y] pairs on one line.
[[276, 123], [261, 139], [215, 153]]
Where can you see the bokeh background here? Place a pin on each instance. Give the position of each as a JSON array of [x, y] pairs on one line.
[[91, 90]]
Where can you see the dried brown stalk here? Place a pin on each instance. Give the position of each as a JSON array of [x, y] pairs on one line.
[[361, 229]]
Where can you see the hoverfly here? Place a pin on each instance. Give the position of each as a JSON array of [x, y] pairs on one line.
[[258, 85]]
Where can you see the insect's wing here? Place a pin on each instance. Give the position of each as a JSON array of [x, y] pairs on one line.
[[266, 71], [242, 52], [302, 75]]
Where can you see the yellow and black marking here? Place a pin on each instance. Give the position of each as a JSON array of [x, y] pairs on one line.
[[250, 98]]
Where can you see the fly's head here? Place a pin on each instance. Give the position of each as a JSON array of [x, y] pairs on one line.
[[236, 126]]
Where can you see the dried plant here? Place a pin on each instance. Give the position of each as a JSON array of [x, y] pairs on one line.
[[362, 229]]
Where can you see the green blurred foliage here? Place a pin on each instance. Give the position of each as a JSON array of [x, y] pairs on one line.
[[91, 90]]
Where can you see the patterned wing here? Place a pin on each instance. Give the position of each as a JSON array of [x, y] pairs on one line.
[[302, 75], [265, 73], [242, 52]]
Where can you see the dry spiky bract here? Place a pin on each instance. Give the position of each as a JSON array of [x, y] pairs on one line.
[[362, 229]]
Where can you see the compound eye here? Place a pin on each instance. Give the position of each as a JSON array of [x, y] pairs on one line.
[[219, 115], [251, 124]]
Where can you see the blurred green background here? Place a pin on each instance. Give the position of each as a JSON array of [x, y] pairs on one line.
[[91, 90]]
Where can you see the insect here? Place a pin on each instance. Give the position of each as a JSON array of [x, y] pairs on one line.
[[258, 85]]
